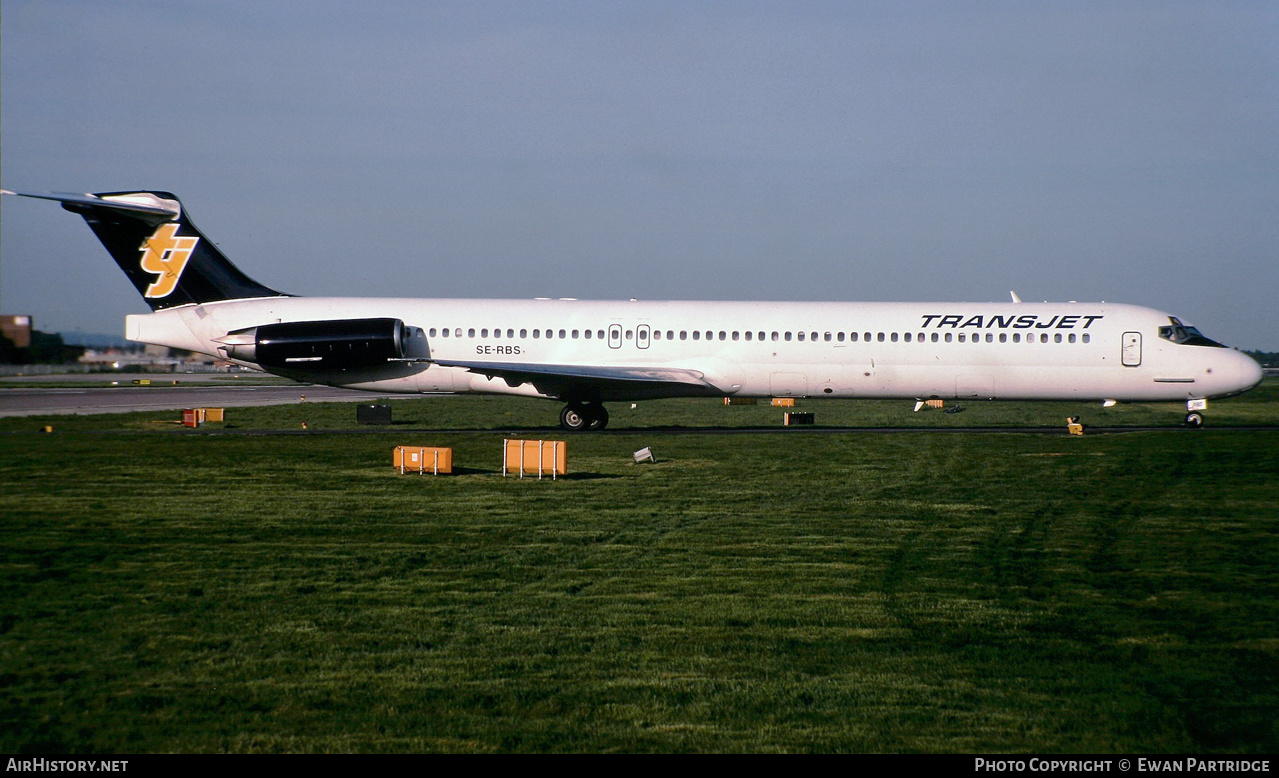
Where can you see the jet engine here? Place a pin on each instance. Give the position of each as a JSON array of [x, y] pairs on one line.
[[335, 344]]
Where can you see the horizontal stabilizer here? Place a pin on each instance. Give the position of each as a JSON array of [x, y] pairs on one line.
[[142, 204]]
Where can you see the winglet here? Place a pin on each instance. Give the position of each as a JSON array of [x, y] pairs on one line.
[[1016, 299]]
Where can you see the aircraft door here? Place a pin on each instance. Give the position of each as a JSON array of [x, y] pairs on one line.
[[615, 336], [641, 336], [1132, 349]]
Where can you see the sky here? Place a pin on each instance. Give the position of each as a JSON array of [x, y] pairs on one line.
[[931, 151]]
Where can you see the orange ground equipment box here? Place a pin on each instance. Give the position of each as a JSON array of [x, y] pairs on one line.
[[540, 457], [423, 459], [783, 402], [194, 417]]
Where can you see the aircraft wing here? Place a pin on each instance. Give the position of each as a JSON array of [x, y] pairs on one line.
[[594, 382]]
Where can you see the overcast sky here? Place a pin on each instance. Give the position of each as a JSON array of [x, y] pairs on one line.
[[1121, 151]]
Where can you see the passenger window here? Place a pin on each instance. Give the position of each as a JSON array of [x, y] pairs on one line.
[[735, 334], [574, 334], [1085, 337], [908, 337], [948, 337], [683, 334], [852, 336], [894, 337], [787, 337], [935, 338], [697, 335], [470, 333], [774, 336], [801, 336], [523, 333]]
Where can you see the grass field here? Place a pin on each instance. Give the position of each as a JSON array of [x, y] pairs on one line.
[[758, 592]]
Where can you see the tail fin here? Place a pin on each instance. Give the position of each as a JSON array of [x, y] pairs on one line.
[[150, 237]]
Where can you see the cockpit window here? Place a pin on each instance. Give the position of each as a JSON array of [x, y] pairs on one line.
[[1185, 335]]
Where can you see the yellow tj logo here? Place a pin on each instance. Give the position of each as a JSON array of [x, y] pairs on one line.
[[166, 255]]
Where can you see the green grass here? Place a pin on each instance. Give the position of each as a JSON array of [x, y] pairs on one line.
[[751, 592]]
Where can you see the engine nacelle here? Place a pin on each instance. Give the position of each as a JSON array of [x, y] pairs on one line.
[[334, 344]]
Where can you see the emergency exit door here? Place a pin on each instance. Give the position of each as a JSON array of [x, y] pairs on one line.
[[1132, 349]]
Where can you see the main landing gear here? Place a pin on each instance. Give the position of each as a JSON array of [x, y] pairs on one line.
[[1194, 420], [577, 417]]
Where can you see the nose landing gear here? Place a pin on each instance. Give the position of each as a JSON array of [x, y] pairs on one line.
[[577, 417]]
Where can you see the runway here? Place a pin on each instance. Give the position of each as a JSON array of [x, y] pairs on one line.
[[21, 401]]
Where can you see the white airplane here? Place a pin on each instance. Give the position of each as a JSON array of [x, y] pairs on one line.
[[586, 353]]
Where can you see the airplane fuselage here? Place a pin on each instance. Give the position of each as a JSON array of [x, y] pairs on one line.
[[1023, 351]]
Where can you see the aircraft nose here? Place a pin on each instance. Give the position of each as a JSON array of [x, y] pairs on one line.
[[1248, 371]]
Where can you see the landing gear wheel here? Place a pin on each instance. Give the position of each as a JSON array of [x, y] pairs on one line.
[[573, 418], [1194, 420], [578, 417]]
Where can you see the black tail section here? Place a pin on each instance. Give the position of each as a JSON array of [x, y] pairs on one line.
[[150, 237]]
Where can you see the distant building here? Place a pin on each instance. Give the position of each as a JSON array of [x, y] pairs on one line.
[[17, 329]]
